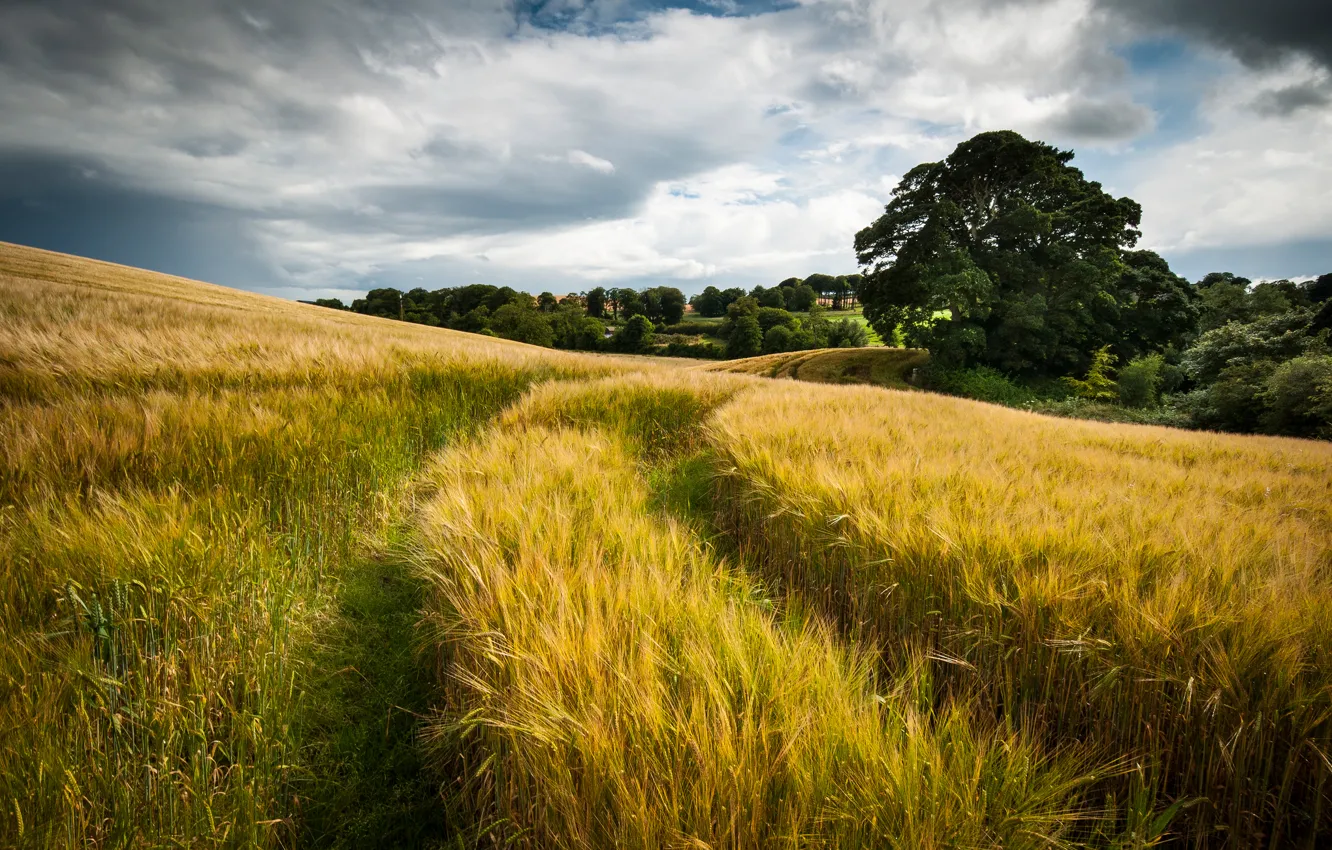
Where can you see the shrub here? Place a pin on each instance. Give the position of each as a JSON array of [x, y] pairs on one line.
[[1080, 408], [1298, 397], [1098, 385], [589, 334], [742, 307], [848, 333], [1140, 381], [803, 340], [699, 350], [1275, 338], [522, 324], [777, 339], [981, 383], [1233, 402], [634, 337], [574, 330], [1173, 378], [771, 317]]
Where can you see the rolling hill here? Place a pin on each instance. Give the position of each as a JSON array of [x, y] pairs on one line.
[[273, 575], [884, 367]]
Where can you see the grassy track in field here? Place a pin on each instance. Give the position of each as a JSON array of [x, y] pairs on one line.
[[610, 683], [185, 471]]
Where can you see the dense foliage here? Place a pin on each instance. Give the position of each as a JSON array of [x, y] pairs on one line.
[[575, 321], [793, 295], [628, 321], [1019, 276], [1259, 360], [1002, 255]]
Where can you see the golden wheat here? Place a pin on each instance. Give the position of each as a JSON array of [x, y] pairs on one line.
[[608, 682], [664, 606], [183, 474], [1159, 593]]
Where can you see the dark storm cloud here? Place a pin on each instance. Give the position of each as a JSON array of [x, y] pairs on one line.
[[1292, 99], [75, 207], [262, 82], [524, 195], [222, 144], [1257, 32], [209, 48]]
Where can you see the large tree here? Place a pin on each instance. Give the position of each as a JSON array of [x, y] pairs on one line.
[[672, 304], [630, 303], [522, 323], [802, 297], [822, 284], [1003, 254], [746, 339], [709, 302], [596, 303]]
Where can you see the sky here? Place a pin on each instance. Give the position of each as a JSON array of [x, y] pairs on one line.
[[314, 148]]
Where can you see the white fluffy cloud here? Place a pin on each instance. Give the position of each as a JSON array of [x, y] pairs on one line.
[[735, 221], [1254, 176]]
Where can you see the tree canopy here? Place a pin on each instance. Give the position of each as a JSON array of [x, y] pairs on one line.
[[1001, 255]]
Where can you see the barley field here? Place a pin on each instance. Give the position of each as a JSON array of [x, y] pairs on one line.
[[279, 576], [884, 367]]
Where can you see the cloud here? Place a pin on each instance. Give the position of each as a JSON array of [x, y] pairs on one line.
[[1259, 33], [1290, 99], [75, 208], [1250, 178], [573, 141], [679, 229], [584, 159], [1098, 121]]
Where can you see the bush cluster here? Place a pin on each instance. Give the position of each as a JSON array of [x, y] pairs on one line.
[[1260, 361]]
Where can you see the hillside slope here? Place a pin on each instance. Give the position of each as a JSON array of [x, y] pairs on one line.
[[278, 576], [883, 367], [187, 474]]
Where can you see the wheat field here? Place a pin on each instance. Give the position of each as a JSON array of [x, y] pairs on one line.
[[279, 576], [884, 367]]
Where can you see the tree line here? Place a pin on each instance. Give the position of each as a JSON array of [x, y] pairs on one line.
[[622, 319], [577, 321], [793, 295], [1023, 280]]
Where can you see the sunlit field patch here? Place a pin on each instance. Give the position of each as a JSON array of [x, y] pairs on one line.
[[1161, 595]]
